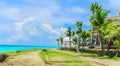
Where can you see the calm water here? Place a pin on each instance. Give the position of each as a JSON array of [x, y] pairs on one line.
[[7, 48]]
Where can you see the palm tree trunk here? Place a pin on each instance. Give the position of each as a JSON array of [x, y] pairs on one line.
[[83, 43], [109, 46], [92, 36], [58, 44], [78, 41], [117, 51], [70, 43], [77, 48], [101, 43], [97, 41], [61, 46]]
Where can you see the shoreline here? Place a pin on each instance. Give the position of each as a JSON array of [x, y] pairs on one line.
[[7, 48]]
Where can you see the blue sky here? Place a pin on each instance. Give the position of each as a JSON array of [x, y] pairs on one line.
[[40, 22]]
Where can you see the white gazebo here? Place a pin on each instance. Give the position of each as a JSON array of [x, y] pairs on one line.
[[66, 43]]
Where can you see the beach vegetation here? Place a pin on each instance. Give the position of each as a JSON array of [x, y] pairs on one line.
[[104, 34]]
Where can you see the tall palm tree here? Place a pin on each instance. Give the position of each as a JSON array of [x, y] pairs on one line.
[[58, 42], [61, 41], [93, 8], [84, 36], [74, 39], [78, 32], [69, 33], [98, 19]]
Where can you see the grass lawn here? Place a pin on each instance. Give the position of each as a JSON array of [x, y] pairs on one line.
[[54, 58], [14, 53], [95, 55]]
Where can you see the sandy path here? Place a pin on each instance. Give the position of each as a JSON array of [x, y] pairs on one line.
[[30, 59], [95, 61]]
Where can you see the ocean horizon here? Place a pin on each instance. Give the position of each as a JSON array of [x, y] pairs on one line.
[[9, 48]]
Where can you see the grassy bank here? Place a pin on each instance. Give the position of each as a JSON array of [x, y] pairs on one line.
[[14, 53], [54, 58], [94, 55]]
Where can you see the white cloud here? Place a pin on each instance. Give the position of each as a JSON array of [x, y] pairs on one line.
[[22, 29], [48, 17], [56, 31], [43, 10], [26, 28]]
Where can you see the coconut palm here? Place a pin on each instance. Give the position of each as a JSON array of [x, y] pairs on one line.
[[78, 32], [117, 40], [58, 42], [61, 41], [74, 39], [93, 8], [107, 31], [69, 33], [98, 19], [84, 36]]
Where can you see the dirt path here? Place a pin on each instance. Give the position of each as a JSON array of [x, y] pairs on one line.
[[30, 59], [95, 61]]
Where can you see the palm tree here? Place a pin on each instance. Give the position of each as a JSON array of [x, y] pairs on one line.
[[117, 40], [84, 36], [78, 31], [93, 8], [98, 19], [74, 39], [69, 33], [58, 42], [108, 34], [61, 41]]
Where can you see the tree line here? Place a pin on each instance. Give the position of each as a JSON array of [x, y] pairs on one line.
[[103, 31]]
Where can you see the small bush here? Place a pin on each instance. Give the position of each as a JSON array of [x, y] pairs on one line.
[[3, 57]]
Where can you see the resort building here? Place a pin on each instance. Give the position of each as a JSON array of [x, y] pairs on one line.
[[115, 17], [66, 43]]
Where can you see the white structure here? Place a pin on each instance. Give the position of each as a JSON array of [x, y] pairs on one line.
[[115, 17], [66, 43]]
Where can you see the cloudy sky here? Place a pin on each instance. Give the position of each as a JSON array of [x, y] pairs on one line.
[[40, 22]]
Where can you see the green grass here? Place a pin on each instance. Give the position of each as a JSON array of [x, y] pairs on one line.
[[60, 59], [13, 53], [94, 55]]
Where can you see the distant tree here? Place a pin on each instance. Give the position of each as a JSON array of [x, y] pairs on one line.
[[58, 42], [78, 33], [69, 33], [74, 39], [61, 41], [84, 36]]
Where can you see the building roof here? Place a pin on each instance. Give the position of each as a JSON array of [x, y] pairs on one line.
[[66, 39], [114, 17]]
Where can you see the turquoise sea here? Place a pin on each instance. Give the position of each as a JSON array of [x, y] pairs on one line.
[[8, 48]]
